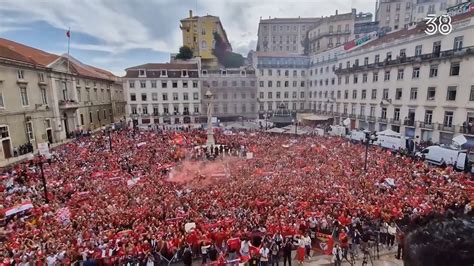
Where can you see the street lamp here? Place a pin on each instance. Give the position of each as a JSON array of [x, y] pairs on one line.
[[266, 115], [210, 133], [295, 122], [39, 162], [368, 139], [109, 131]]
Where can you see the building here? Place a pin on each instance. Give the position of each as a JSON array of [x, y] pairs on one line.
[[363, 25], [408, 81], [282, 78], [45, 97], [398, 14], [198, 34], [332, 31], [163, 93], [284, 34], [234, 93]]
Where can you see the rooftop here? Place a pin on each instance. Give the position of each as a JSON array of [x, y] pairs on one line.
[[164, 66]]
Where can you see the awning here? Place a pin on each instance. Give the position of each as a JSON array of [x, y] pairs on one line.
[[388, 132], [316, 118]]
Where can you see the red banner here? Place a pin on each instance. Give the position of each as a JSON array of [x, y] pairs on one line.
[[324, 243]]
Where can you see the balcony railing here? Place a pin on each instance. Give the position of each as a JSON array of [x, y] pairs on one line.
[[371, 118], [68, 104], [352, 115], [361, 117], [395, 121], [449, 128], [428, 125], [409, 123], [383, 120], [408, 60]]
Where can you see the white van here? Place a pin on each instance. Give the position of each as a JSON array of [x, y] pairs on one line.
[[391, 142], [356, 135], [444, 156], [338, 131]]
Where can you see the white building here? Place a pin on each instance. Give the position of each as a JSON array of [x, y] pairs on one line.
[[163, 93], [413, 83]]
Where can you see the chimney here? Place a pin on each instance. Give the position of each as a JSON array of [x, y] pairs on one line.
[[336, 12], [190, 13]]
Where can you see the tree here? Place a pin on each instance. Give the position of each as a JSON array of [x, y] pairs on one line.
[[226, 58], [185, 53]]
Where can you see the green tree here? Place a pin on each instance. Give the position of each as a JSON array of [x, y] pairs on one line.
[[185, 53]]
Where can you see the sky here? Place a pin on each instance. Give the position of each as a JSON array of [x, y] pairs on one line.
[[117, 34]]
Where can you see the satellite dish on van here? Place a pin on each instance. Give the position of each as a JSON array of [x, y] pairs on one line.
[[346, 122], [460, 140]]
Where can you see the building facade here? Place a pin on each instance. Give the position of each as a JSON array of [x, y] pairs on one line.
[[332, 31], [198, 34], [234, 93], [398, 14], [39, 97], [282, 79], [284, 34], [163, 93]]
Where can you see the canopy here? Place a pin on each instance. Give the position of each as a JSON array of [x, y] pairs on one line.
[[315, 118], [276, 130], [388, 132]]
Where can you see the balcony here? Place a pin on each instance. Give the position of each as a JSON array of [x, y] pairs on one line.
[[395, 121], [427, 125], [409, 60], [352, 115], [383, 120], [448, 128], [361, 117], [409, 123], [371, 118], [68, 104]]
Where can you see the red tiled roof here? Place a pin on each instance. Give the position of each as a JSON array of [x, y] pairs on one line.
[[20, 52]]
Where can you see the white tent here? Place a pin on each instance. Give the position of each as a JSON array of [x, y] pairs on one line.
[[275, 130], [388, 132]]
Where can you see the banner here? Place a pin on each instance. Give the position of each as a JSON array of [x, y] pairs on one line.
[[18, 208], [324, 243]]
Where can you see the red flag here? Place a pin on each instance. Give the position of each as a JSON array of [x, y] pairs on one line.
[[68, 33]]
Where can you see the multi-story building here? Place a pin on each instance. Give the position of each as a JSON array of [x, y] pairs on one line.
[[282, 78], [198, 34], [284, 34], [40, 97], [363, 24], [234, 93], [408, 81], [163, 93], [332, 31], [397, 14]]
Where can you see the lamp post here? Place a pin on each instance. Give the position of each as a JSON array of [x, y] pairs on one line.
[[110, 138], [368, 138], [210, 134], [295, 122], [265, 115], [39, 162]]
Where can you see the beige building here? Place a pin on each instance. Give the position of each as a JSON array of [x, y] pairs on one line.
[[284, 34], [45, 98], [330, 32]]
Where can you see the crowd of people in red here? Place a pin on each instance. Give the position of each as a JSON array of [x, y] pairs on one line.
[[108, 207]]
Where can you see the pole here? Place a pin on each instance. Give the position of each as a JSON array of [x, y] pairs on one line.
[[44, 182], [68, 45], [110, 139], [296, 127], [366, 151]]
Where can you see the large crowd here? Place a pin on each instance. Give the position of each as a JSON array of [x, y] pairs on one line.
[[118, 205]]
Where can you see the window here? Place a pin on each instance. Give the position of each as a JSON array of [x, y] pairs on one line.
[[195, 84], [428, 117], [20, 74], [433, 71], [398, 93], [185, 84], [82, 119], [295, 83], [302, 95], [302, 83], [431, 94], [448, 119], [346, 94], [164, 73], [243, 83], [372, 111], [195, 96], [375, 77], [164, 84], [153, 84], [154, 96], [377, 58], [29, 130], [383, 113], [24, 96], [364, 78], [286, 95], [416, 72], [471, 94], [454, 71], [294, 95], [386, 76], [356, 79], [44, 96], [234, 83], [287, 73], [269, 72], [396, 114], [366, 61], [278, 84], [295, 73], [2, 103], [403, 52], [185, 96], [339, 94], [413, 93], [374, 94], [144, 97], [364, 94], [175, 96], [88, 94], [400, 74], [131, 84], [141, 73], [354, 94], [184, 73], [270, 83], [418, 50], [385, 94], [142, 84], [458, 43], [174, 84], [347, 79], [451, 93], [269, 95], [287, 84], [41, 77], [165, 96], [261, 83], [260, 95], [278, 95]]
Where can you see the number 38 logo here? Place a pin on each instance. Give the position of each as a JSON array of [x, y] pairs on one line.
[[441, 24]]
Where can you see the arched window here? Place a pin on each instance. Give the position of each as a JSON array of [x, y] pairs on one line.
[[203, 45]]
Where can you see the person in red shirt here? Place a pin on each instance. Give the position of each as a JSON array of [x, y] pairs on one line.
[[344, 242]]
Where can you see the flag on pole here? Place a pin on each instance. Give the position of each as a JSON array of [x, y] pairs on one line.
[[68, 33]]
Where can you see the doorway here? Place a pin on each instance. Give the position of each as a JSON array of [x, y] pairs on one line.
[[7, 152], [49, 133]]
